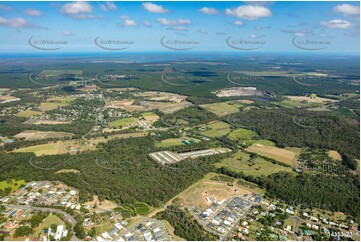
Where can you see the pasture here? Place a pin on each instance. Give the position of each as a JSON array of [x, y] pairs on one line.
[[60, 147], [217, 129], [30, 135], [176, 141], [28, 113], [258, 166], [222, 108], [282, 155], [124, 122], [242, 134]]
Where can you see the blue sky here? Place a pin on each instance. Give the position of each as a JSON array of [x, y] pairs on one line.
[[323, 27]]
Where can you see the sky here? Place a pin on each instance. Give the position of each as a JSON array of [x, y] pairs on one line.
[[84, 27]]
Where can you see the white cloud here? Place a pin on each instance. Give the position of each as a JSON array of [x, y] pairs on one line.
[[67, 33], [14, 23], [207, 10], [237, 23], [108, 6], [129, 23], [154, 8], [347, 9], [124, 17], [146, 23], [249, 12], [78, 10], [337, 24], [33, 12], [6, 8], [167, 22]]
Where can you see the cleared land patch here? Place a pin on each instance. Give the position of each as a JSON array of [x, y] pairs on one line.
[[217, 129], [176, 141], [222, 108], [28, 113], [278, 154], [29, 135], [242, 134], [256, 166]]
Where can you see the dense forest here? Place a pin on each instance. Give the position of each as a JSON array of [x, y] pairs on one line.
[[184, 224], [335, 193], [301, 128], [119, 170], [187, 117]]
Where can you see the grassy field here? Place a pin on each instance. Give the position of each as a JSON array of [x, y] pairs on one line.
[[44, 149], [223, 108], [141, 208], [51, 219], [175, 141], [282, 155], [150, 116], [39, 135], [242, 162], [334, 155], [123, 122], [124, 212], [28, 113], [60, 147], [217, 129], [61, 100], [242, 134], [46, 106], [15, 184]]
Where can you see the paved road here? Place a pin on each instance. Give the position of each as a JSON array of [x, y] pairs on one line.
[[67, 217], [204, 223], [237, 223], [295, 230]]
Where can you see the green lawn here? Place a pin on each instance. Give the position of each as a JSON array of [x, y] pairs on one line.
[[175, 141], [217, 129], [15, 184], [51, 219], [222, 108], [242, 134], [44, 149], [28, 113], [240, 163], [123, 122], [124, 212], [141, 208]]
